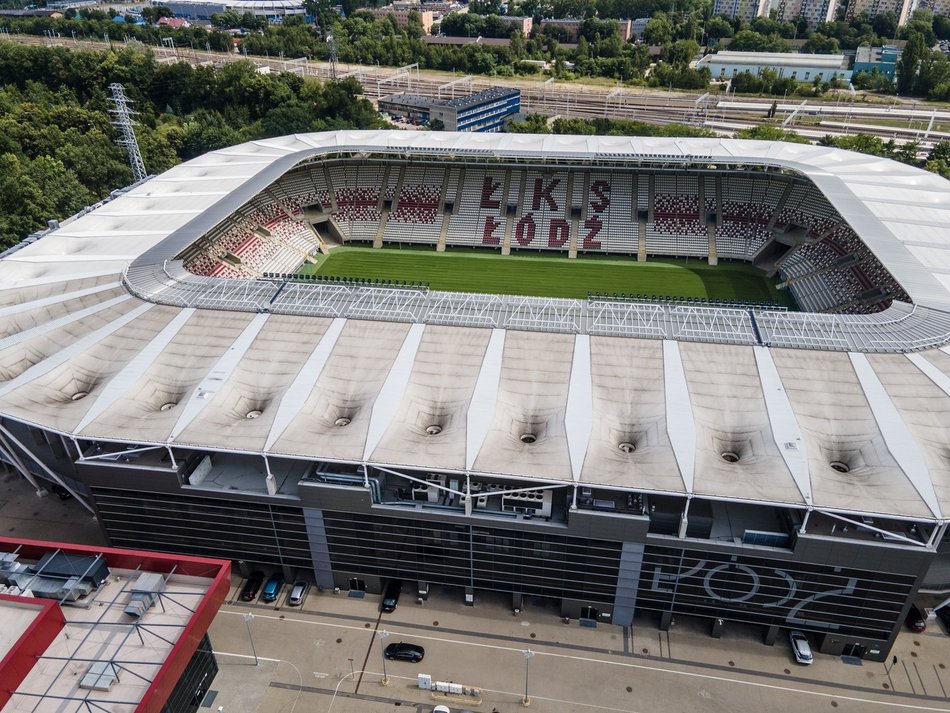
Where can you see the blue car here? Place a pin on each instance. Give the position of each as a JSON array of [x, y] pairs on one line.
[[272, 588]]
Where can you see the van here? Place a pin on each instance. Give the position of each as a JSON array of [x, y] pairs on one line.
[[391, 595], [297, 593]]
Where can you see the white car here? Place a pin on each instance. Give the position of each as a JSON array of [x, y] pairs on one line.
[[800, 647]]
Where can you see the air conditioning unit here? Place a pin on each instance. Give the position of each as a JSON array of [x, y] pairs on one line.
[[145, 592]]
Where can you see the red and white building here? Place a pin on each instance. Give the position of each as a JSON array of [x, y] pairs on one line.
[[96, 628]]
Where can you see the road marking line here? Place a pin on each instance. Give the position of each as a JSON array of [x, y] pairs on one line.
[[625, 664], [245, 656]]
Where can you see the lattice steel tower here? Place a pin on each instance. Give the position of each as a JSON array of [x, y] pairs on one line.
[[122, 120], [333, 58]]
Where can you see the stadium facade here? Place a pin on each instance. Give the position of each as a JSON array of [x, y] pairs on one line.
[[619, 455]]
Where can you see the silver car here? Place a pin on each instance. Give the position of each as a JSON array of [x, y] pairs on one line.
[[297, 593], [800, 647]]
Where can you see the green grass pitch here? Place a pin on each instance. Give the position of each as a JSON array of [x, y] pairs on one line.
[[551, 276]]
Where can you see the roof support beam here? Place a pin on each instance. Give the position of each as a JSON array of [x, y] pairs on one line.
[[680, 426], [55, 324], [56, 299], [218, 375], [390, 394], [481, 409], [900, 441], [785, 428], [296, 395], [87, 342], [578, 415], [122, 381]]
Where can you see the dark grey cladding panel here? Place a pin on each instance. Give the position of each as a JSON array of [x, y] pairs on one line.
[[340, 498], [319, 547], [866, 555], [605, 526], [128, 477], [628, 580]]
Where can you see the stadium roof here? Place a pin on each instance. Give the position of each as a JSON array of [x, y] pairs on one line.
[[183, 360]]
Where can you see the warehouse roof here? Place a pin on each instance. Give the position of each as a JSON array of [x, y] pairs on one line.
[[777, 59]]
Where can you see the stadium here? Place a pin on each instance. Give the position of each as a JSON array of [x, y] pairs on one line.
[[719, 393]]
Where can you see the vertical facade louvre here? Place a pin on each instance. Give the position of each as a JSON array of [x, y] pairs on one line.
[[861, 604], [265, 534], [480, 556], [654, 574]]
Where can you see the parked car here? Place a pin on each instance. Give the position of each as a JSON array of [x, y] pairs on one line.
[[413, 653], [943, 613], [272, 588], [252, 586], [800, 647], [391, 595], [297, 593], [915, 620]]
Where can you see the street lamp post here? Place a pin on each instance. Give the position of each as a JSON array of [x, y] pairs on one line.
[[248, 618], [382, 634], [527, 653]]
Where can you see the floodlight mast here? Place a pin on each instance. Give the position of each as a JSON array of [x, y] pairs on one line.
[[122, 120], [331, 40]]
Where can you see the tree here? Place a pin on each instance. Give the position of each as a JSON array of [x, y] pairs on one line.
[[765, 132], [862, 143], [885, 25], [820, 44], [153, 13], [938, 160], [921, 22], [658, 30], [750, 41], [942, 27], [532, 124], [908, 64], [718, 27], [934, 71], [682, 52]]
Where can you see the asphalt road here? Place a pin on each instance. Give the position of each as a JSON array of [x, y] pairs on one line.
[[326, 656]]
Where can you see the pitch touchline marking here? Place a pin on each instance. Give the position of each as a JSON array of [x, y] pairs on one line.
[[624, 664]]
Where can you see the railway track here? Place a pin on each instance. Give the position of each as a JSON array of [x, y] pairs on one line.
[[721, 114]]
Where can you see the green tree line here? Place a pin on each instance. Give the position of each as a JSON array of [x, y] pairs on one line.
[[57, 151]]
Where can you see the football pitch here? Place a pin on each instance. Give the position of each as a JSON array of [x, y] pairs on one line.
[[552, 276]]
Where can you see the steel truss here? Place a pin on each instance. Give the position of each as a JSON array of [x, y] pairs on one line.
[[900, 328]]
